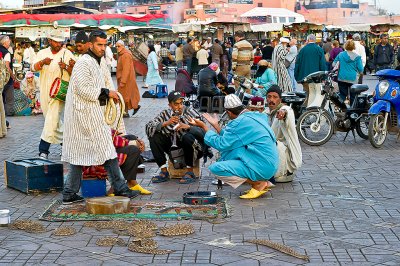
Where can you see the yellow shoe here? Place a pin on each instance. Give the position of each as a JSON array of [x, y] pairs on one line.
[[265, 189], [253, 194], [111, 195], [142, 190]]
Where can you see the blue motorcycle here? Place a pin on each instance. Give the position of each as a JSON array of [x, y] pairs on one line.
[[385, 112]]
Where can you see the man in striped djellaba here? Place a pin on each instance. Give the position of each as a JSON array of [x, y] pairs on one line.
[[87, 137]]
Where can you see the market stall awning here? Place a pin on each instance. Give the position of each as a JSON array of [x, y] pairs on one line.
[[273, 12], [90, 20], [303, 27], [351, 27], [186, 27], [268, 27]]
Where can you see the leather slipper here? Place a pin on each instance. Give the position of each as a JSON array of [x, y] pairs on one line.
[[253, 194]]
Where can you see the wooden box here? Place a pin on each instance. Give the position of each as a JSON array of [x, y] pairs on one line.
[[179, 173], [34, 175]]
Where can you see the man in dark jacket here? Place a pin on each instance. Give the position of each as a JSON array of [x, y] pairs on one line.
[[383, 54], [267, 50], [208, 81], [310, 59]]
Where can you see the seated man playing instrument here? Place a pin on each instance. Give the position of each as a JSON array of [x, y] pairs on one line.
[[171, 127], [247, 146], [283, 124]]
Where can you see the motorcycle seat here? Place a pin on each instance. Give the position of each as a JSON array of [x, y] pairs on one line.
[[301, 94], [358, 88]]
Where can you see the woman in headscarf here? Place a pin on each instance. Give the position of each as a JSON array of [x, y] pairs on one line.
[[265, 78], [30, 87], [278, 64], [22, 104], [153, 75]]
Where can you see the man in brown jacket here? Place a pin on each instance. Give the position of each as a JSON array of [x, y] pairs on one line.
[[188, 54], [216, 52], [126, 80]]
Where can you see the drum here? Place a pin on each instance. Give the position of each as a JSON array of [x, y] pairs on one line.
[[58, 89]]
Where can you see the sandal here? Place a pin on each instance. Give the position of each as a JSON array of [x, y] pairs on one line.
[[188, 178], [160, 178]]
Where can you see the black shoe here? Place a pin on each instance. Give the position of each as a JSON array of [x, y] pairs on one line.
[[128, 193], [73, 199], [136, 110]]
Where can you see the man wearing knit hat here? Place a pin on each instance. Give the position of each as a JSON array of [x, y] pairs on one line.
[[283, 124], [81, 43], [247, 146], [171, 127], [256, 104]]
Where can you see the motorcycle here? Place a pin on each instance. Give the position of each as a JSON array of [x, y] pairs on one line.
[[293, 99], [316, 125], [385, 112]]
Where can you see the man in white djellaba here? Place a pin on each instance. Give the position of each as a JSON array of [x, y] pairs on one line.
[[52, 62], [87, 137], [283, 124]]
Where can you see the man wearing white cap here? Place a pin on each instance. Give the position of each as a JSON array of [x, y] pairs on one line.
[[278, 64], [52, 62], [247, 146]]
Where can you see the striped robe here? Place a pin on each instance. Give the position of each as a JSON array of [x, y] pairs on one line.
[[278, 64], [87, 138]]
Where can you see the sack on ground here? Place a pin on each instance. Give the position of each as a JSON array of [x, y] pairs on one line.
[[177, 157], [148, 94]]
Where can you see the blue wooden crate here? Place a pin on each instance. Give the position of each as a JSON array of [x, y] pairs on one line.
[[34, 175], [93, 188]]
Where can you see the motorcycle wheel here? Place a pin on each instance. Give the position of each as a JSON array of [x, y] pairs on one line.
[[362, 127], [376, 132], [315, 129]]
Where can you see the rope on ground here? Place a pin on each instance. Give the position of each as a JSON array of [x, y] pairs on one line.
[[112, 111]]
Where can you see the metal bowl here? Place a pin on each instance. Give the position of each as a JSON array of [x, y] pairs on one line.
[[200, 198]]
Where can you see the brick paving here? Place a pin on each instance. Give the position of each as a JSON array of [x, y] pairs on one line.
[[342, 209]]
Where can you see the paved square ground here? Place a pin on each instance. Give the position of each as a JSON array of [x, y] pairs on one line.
[[342, 209]]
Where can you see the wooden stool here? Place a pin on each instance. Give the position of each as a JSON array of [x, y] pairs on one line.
[[179, 173], [218, 104]]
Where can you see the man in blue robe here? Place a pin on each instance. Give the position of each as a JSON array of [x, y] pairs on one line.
[[247, 146]]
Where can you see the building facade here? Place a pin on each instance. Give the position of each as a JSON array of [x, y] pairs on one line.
[[229, 10]]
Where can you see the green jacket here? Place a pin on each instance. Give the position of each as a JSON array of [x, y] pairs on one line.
[[310, 59]]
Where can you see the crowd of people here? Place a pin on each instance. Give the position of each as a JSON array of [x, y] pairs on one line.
[[259, 146]]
